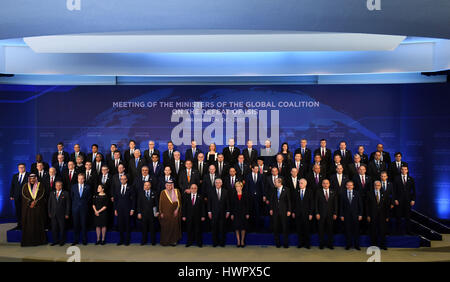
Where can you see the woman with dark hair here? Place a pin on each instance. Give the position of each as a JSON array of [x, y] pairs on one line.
[[100, 205], [287, 155]]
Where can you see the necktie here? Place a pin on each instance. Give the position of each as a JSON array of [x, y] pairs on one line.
[[297, 165], [326, 195], [303, 151], [339, 179], [357, 166], [193, 199], [404, 179], [98, 166], [40, 174], [384, 186], [104, 179], [350, 196], [378, 164], [218, 193], [232, 181], [81, 190], [254, 177], [117, 163], [136, 160], [201, 168], [231, 150], [220, 168], [301, 193], [189, 175], [20, 179], [123, 190], [242, 169], [51, 181], [317, 179], [147, 194], [170, 154], [88, 175], [343, 153], [363, 181], [154, 167], [57, 195], [378, 196], [323, 153], [93, 157], [261, 169], [70, 176], [278, 193], [294, 180]]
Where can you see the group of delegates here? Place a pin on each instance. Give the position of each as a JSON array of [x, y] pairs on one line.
[[304, 190]]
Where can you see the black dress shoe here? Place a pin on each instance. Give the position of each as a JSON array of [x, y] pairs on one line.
[[299, 246], [215, 245], [222, 245], [384, 248], [53, 244], [127, 243], [62, 244], [153, 243], [103, 242], [321, 247], [84, 243], [97, 243], [330, 247], [285, 246], [200, 246], [143, 243], [278, 246], [308, 247], [188, 245], [74, 243], [358, 248], [347, 247], [120, 243]]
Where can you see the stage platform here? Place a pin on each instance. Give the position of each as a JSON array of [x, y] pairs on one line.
[[258, 239]]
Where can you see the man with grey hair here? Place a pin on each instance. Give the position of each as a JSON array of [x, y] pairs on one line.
[[135, 165], [150, 151], [302, 212], [378, 206], [218, 212]]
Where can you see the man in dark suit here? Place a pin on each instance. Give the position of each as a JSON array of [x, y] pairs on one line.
[[395, 168], [323, 165], [250, 154], [363, 156], [97, 165], [106, 180], [155, 167], [221, 166], [115, 162], [148, 154], [129, 153], [135, 165], [300, 165], [60, 151], [363, 184], [193, 214], [208, 181], [404, 198], [283, 168], [147, 211], [338, 180], [230, 180], [201, 166], [280, 210], [15, 191], [40, 172], [124, 206], [60, 165], [326, 212], [92, 156], [346, 155], [69, 176], [269, 185], [39, 159], [168, 154], [323, 152], [302, 212], [188, 176], [164, 178], [218, 212], [59, 211], [376, 166], [91, 175], [337, 160], [354, 166], [385, 156], [50, 181], [192, 153], [305, 152], [378, 207], [262, 167], [145, 177], [242, 169], [254, 186], [77, 152], [351, 211], [109, 157], [231, 152], [177, 166], [81, 195], [315, 178]]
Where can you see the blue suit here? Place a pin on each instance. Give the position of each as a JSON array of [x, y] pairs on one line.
[[80, 208]]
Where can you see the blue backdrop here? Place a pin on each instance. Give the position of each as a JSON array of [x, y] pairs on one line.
[[411, 118]]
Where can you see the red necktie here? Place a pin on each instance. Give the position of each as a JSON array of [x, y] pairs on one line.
[[326, 195], [70, 176], [193, 200], [51, 182], [363, 181]]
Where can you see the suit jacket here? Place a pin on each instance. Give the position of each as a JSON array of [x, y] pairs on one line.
[[98, 170], [352, 170], [51, 188], [55, 157], [312, 181], [347, 159], [375, 209], [229, 157], [183, 182], [284, 172], [127, 156], [59, 207], [41, 178], [306, 157], [327, 159], [90, 158], [148, 157], [332, 169], [174, 171], [255, 189], [112, 166], [166, 160], [162, 182], [360, 188], [324, 167], [269, 186], [207, 185], [159, 171], [225, 170], [283, 204], [218, 207], [375, 171], [364, 158], [69, 182], [193, 157], [193, 211], [250, 159], [33, 168], [92, 180], [245, 170], [353, 209], [334, 183], [81, 204], [404, 192], [268, 157], [302, 169], [239, 208], [394, 171], [15, 190], [74, 159], [110, 157], [146, 207], [302, 208], [60, 169], [204, 169], [134, 170], [227, 182], [126, 202], [108, 184], [385, 157], [326, 208], [116, 183]]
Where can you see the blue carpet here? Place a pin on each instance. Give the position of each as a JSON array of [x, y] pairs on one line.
[[251, 239]]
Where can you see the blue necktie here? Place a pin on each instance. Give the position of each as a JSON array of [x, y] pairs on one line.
[[81, 190], [148, 195], [278, 193], [20, 179], [137, 160], [301, 194]]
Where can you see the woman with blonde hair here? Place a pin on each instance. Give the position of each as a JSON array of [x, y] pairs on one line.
[[211, 156], [240, 209]]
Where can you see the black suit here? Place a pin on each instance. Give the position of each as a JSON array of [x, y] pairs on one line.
[[55, 157], [183, 182], [312, 181], [92, 178], [190, 156], [90, 157], [375, 171], [110, 157], [107, 184], [394, 171], [147, 208], [352, 170], [255, 192], [124, 204], [302, 168], [378, 211], [351, 212], [303, 208], [231, 157], [326, 210], [227, 182], [34, 170], [202, 171], [404, 193], [148, 155], [280, 206], [218, 208], [347, 158], [74, 159], [69, 182], [269, 186], [334, 183], [225, 169], [306, 157], [134, 170], [167, 159], [58, 209], [250, 159], [385, 157], [15, 192], [127, 157], [41, 175], [80, 207], [193, 212], [60, 169], [364, 158], [176, 174], [327, 158], [208, 185], [242, 172], [112, 166], [49, 185]]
